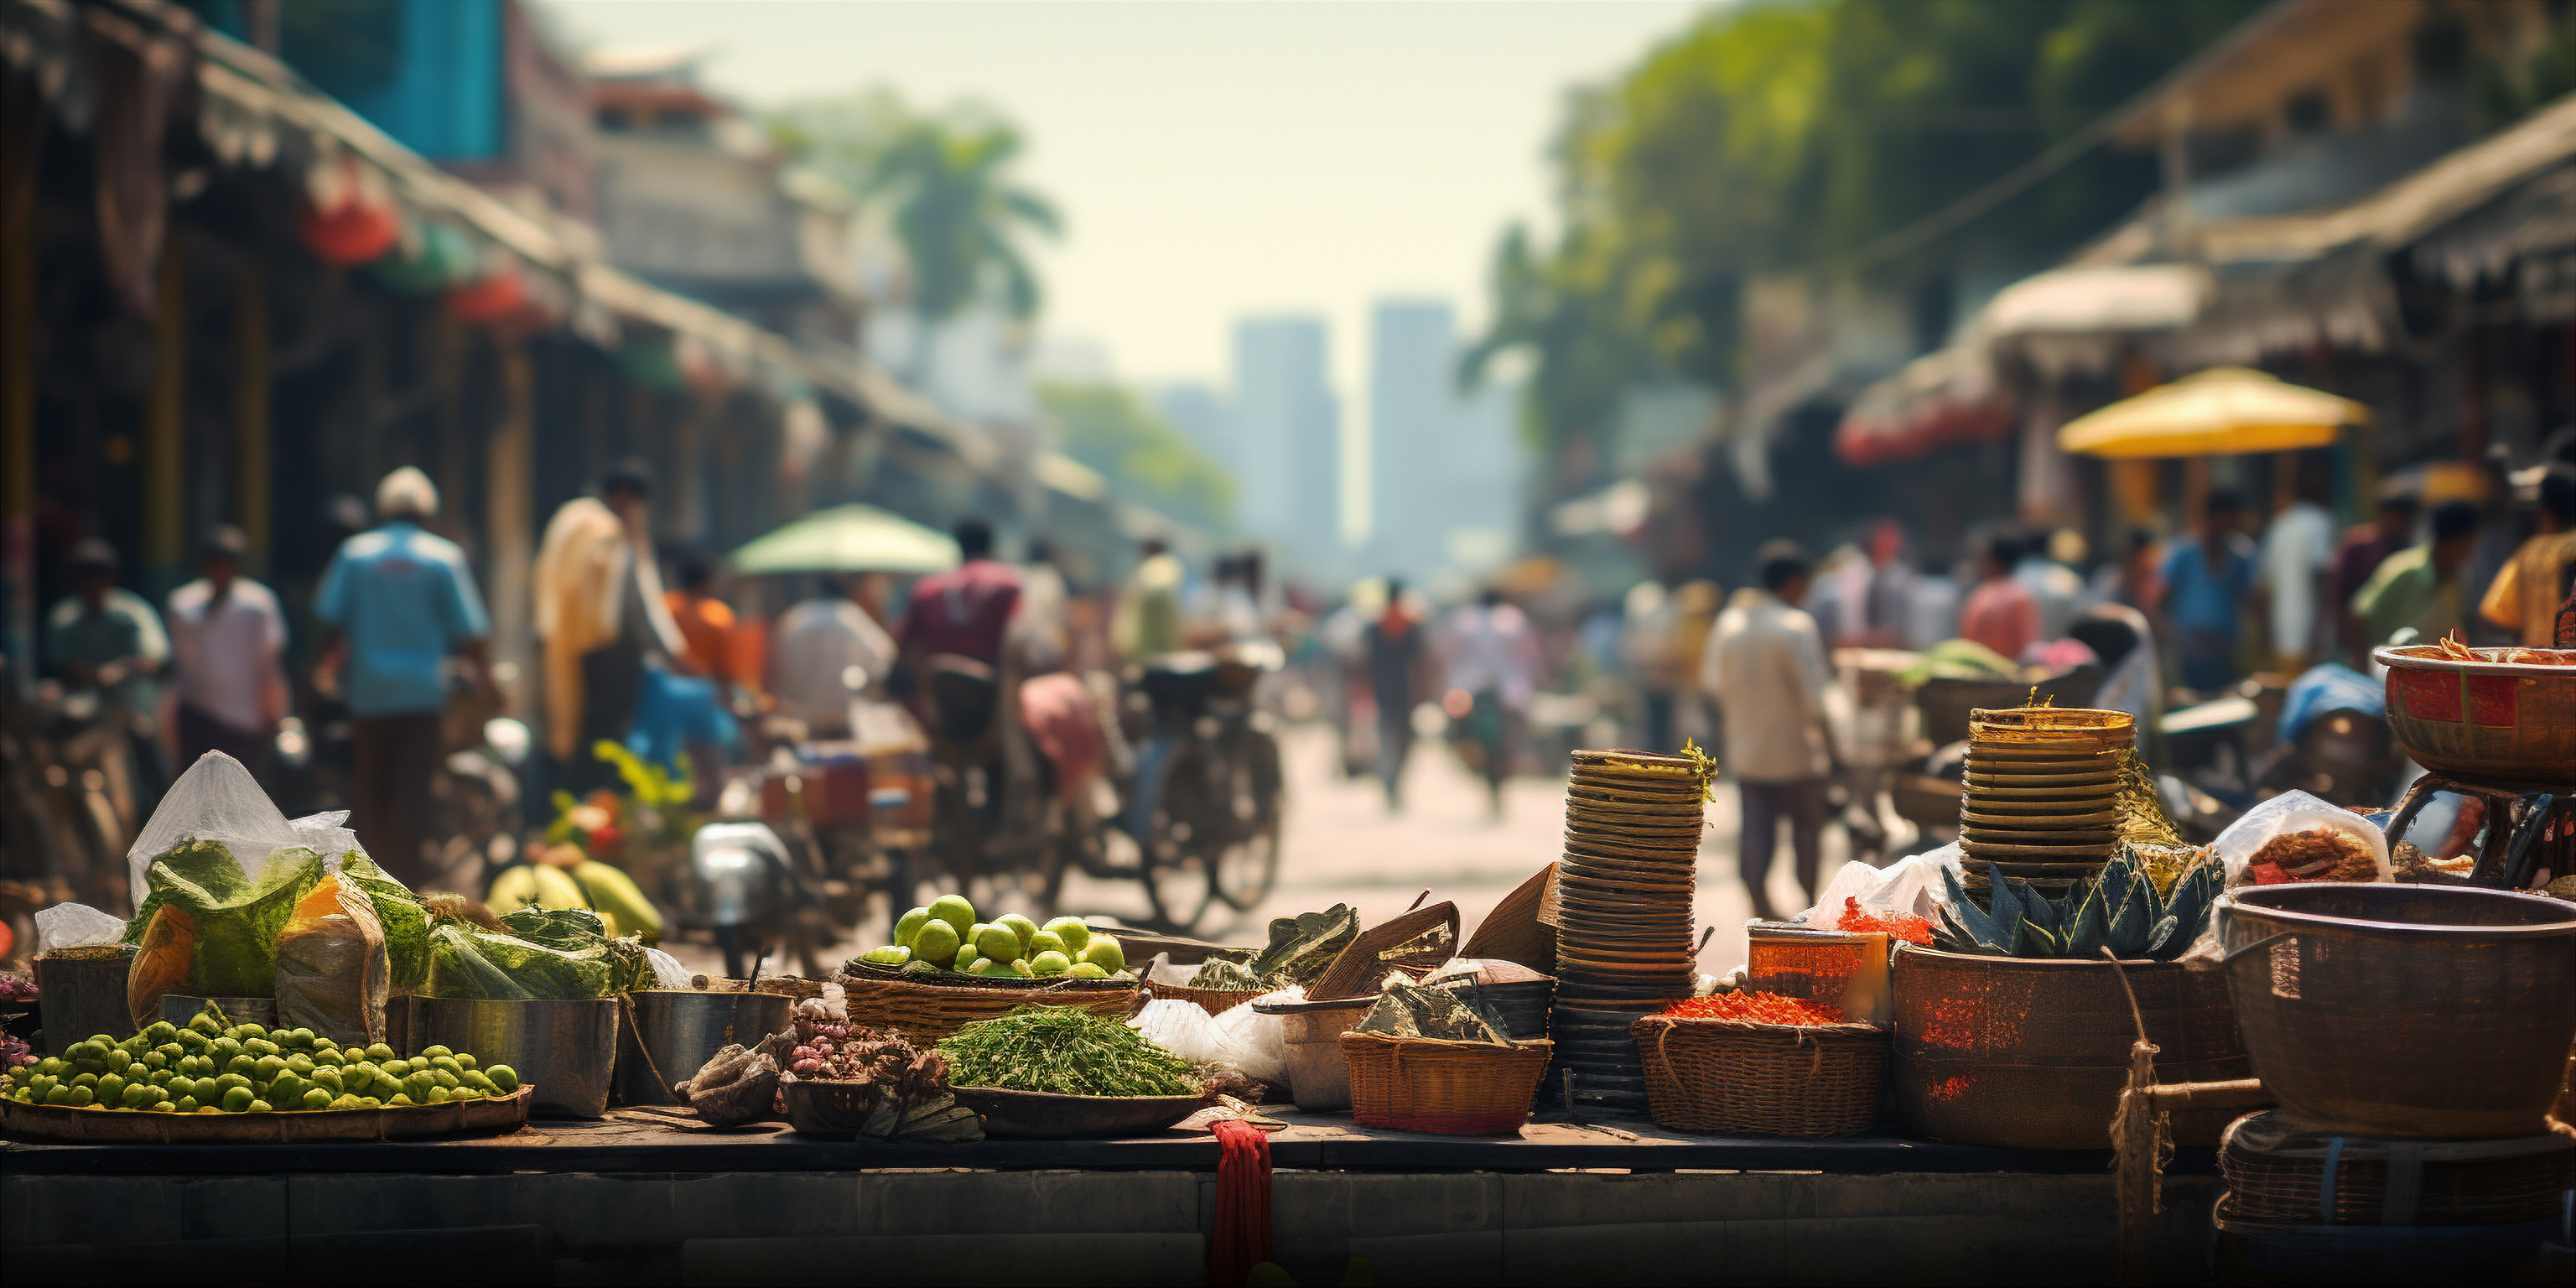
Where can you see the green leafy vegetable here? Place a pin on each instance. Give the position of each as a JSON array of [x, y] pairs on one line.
[[238, 915], [1065, 1050]]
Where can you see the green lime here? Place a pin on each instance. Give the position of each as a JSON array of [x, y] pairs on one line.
[[1050, 962], [1072, 931], [908, 923], [1021, 926], [955, 910], [317, 1098], [503, 1077], [1104, 952], [889, 955], [936, 942], [238, 1100], [998, 941]]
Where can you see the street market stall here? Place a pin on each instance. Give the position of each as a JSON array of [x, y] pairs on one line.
[[1997, 1013]]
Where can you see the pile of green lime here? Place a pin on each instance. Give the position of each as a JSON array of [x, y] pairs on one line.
[[946, 935], [208, 1068]]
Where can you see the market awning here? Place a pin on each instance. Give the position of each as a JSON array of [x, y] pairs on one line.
[[2226, 411], [1944, 397], [848, 538], [2098, 300]]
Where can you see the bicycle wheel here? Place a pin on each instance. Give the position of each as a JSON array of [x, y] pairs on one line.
[[1246, 865], [1180, 882]]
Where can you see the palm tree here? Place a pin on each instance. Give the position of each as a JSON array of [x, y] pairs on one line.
[[946, 179]]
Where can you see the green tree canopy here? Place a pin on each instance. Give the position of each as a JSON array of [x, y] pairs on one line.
[[1775, 137], [946, 178], [1146, 459]]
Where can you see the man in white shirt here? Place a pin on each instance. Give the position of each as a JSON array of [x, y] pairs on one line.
[[2297, 549], [1765, 668], [825, 652], [226, 635]]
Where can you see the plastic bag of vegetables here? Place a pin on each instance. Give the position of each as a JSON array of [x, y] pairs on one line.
[[237, 917], [399, 912]]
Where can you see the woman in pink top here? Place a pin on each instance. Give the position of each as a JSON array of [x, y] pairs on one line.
[[2000, 612]]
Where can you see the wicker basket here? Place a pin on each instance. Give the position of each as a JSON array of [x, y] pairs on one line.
[[927, 1013], [1749, 1079], [1217, 1001], [1432, 1084]]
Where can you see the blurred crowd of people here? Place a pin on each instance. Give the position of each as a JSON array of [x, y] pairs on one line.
[[405, 659]]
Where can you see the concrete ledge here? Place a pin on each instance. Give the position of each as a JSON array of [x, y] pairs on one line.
[[1053, 1259]]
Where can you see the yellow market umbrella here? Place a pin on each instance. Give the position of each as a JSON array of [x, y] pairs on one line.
[[848, 538], [2225, 411]]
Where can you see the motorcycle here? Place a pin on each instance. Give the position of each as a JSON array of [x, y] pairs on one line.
[[744, 884], [72, 792], [1203, 801]]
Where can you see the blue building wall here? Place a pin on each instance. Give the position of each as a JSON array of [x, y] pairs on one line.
[[431, 73]]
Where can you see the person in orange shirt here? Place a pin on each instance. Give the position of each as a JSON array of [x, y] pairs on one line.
[[2526, 591], [706, 622]]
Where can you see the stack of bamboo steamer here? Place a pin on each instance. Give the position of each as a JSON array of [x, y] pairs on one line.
[[1622, 909], [2040, 799]]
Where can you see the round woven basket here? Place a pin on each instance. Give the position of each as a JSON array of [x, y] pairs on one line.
[[1217, 1001], [1749, 1079], [927, 1013], [1436, 1085]]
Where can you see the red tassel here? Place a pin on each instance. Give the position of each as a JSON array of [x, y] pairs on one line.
[[1242, 1238]]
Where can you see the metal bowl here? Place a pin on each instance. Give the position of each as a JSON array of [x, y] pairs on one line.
[[1052, 1117], [2493, 724]]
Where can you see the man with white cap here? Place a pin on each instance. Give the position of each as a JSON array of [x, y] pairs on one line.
[[399, 601]]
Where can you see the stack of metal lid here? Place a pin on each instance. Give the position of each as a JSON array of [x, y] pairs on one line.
[[2041, 796], [1623, 914]]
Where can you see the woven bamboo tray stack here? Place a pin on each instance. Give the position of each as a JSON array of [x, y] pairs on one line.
[[2041, 795], [1622, 909]]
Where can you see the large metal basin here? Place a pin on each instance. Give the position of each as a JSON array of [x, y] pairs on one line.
[[565, 1049], [2499, 724], [2409, 1011], [680, 1029]]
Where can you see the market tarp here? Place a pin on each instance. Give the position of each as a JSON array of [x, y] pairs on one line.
[[2225, 411], [848, 538]]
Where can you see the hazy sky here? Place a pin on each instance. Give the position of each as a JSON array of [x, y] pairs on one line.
[[1213, 158]]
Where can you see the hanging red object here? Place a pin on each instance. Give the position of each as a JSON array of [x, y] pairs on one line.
[[492, 299], [347, 217]]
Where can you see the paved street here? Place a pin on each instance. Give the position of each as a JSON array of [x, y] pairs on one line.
[[1343, 846]]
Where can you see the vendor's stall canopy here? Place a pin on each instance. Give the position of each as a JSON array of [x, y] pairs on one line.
[[2094, 300], [2221, 412], [848, 538]]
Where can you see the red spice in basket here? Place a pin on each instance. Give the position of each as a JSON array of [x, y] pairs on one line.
[[1762, 1008], [1905, 926]]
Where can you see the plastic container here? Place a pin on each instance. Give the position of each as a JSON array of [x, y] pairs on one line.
[[1318, 1074], [1836, 967]]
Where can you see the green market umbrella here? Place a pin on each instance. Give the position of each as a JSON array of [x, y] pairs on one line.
[[848, 538]]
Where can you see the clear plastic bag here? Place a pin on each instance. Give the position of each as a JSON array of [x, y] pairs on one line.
[[1910, 885], [1186, 1030], [75, 925], [2295, 812], [458, 969], [216, 800], [327, 834], [667, 970]]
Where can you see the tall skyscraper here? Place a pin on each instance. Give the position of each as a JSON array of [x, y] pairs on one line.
[[1444, 472], [1287, 432]]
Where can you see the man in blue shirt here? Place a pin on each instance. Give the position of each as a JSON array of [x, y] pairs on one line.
[[2207, 578], [399, 601]]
